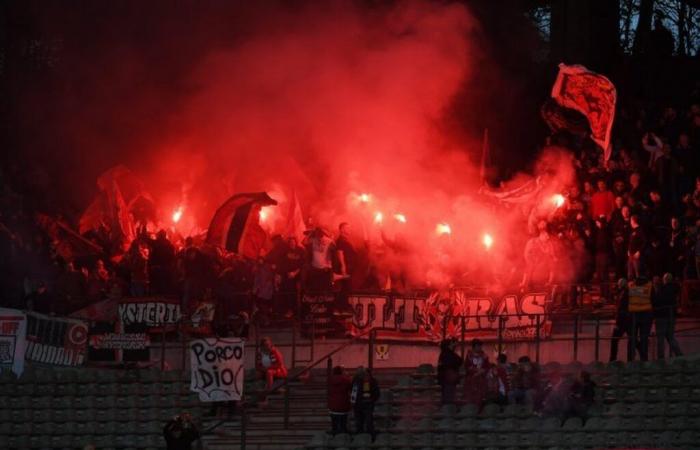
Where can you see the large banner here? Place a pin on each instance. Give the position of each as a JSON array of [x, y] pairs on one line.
[[13, 344], [439, 315], [151, 311], [217, 369], [56, 341], [591, 94]]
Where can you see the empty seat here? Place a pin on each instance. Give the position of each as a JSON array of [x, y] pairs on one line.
[[573, 423]]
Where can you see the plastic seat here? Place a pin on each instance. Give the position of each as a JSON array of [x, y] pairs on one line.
[[446, 424], [573, 423], [65, 376], [126, 402], [104, 402], [61, 403], [594, 424], [85, 402], [18, 402], [20, 415], [107, 415], [39, 441], [46, 390], [21, 428], [18, 441], [42, 428], [126, 415], [61, 441], [491, 410], [25, 389], [40, 415], [66, 390], [85, 376]]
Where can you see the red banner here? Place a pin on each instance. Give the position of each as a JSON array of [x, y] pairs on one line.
[[591, 94], [440, 315]]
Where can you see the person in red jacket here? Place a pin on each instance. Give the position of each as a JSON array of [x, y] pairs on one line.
[[477, 367], [602, 202], [339, 388], [269, 363]]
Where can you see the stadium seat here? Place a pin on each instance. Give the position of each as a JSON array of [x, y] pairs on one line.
[[573, 423]]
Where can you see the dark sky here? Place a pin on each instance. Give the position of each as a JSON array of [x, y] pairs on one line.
[[89, 84]]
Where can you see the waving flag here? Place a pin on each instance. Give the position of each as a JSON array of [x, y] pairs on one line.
[[591, 94], [236, 224]]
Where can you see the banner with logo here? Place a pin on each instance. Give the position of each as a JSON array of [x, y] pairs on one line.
[[13, 344], [151, 312], [56, 341], [439, 314], [120, 341], [217, 369]]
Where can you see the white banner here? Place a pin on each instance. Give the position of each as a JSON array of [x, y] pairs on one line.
[[217, 369], [13, 342]]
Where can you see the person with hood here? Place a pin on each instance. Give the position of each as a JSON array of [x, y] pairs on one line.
[[365, 393], [448, 366], [339, 389]]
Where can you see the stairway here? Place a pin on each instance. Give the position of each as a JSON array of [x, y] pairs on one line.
[[308, 415]]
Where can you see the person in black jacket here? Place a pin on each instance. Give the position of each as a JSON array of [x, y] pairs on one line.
[[364, 394], [448, 366], [603, 249], [180, 432], [664, 301], [623, 320]]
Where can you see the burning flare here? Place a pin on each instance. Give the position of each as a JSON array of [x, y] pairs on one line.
[[400, 217], [177, 214], [363, 198], [558, 200], [488, 241], [264, 213], [378, 217], [443, 228]]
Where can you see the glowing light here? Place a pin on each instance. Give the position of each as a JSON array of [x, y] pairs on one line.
[[400, 217], [488, 241], [558, 200], [265, 213], [177, 214], [443, 228], [378, 217], [364, 198]]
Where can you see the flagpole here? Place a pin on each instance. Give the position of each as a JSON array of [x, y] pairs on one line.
[[484, 155]]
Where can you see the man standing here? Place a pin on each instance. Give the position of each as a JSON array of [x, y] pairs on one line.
[[339, 387], [365, 393], [603, 201], [347, 259], [320, 249], [641, 309], [637, 244], [622, 318], [664, 300]]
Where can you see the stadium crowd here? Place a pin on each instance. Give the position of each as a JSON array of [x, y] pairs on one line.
[[636, 215]]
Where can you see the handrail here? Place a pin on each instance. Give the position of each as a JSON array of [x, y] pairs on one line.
[[286, 383]]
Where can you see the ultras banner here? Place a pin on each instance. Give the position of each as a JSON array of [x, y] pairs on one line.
[[425, 318]]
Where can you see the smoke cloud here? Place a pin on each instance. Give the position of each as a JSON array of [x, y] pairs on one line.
[[324, 100]]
